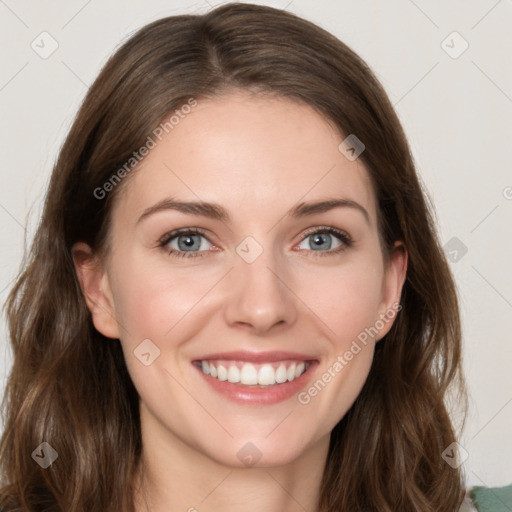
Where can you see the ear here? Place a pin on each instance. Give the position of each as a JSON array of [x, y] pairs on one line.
[[394, 279], [95, 286]]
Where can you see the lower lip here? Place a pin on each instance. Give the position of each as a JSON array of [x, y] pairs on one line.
[[259, 395]]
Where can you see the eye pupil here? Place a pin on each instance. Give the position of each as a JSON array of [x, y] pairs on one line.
[[322, 240], [187, 241]]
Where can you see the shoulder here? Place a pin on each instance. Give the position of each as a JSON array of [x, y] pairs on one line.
[[488, 499]]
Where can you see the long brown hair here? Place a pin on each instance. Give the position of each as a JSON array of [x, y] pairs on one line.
[[69, 385]]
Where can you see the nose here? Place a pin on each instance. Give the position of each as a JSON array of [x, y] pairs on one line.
[[260, 297]]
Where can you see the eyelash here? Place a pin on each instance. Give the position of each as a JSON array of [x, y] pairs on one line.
[[343, 237]]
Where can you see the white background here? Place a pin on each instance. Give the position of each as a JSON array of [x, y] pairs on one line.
[[457, 114]]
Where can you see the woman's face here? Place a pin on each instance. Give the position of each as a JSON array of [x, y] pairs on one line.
[[268, 286]]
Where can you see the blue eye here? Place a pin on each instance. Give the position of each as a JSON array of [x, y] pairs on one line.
[[321, 241], [189, 242]]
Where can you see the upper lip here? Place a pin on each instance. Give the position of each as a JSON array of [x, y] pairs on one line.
[[256, 357]]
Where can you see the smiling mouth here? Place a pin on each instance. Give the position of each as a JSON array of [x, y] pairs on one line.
[[254, 375]]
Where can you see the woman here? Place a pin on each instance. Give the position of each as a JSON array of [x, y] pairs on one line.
[[182, 340]]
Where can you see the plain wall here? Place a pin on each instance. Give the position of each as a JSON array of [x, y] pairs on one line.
[[456, 111]]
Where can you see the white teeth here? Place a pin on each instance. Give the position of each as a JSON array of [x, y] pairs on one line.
[[233, 374], [281, 374], [291, 372], [222, 373], [266, 376], [250, 375]]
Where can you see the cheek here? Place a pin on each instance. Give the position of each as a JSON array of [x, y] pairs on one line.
[[346, 298], [151, 297], [158, 303]]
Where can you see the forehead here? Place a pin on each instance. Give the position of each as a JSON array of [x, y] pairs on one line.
[[255, 155]]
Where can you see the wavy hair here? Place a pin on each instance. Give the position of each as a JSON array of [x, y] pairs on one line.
[[69, 385]]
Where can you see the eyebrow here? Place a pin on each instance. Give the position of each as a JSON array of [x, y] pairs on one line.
[[217, 212]]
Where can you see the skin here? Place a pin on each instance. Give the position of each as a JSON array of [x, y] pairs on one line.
[[257, 157]]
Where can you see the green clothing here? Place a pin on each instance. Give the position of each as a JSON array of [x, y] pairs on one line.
[[492, 499]]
